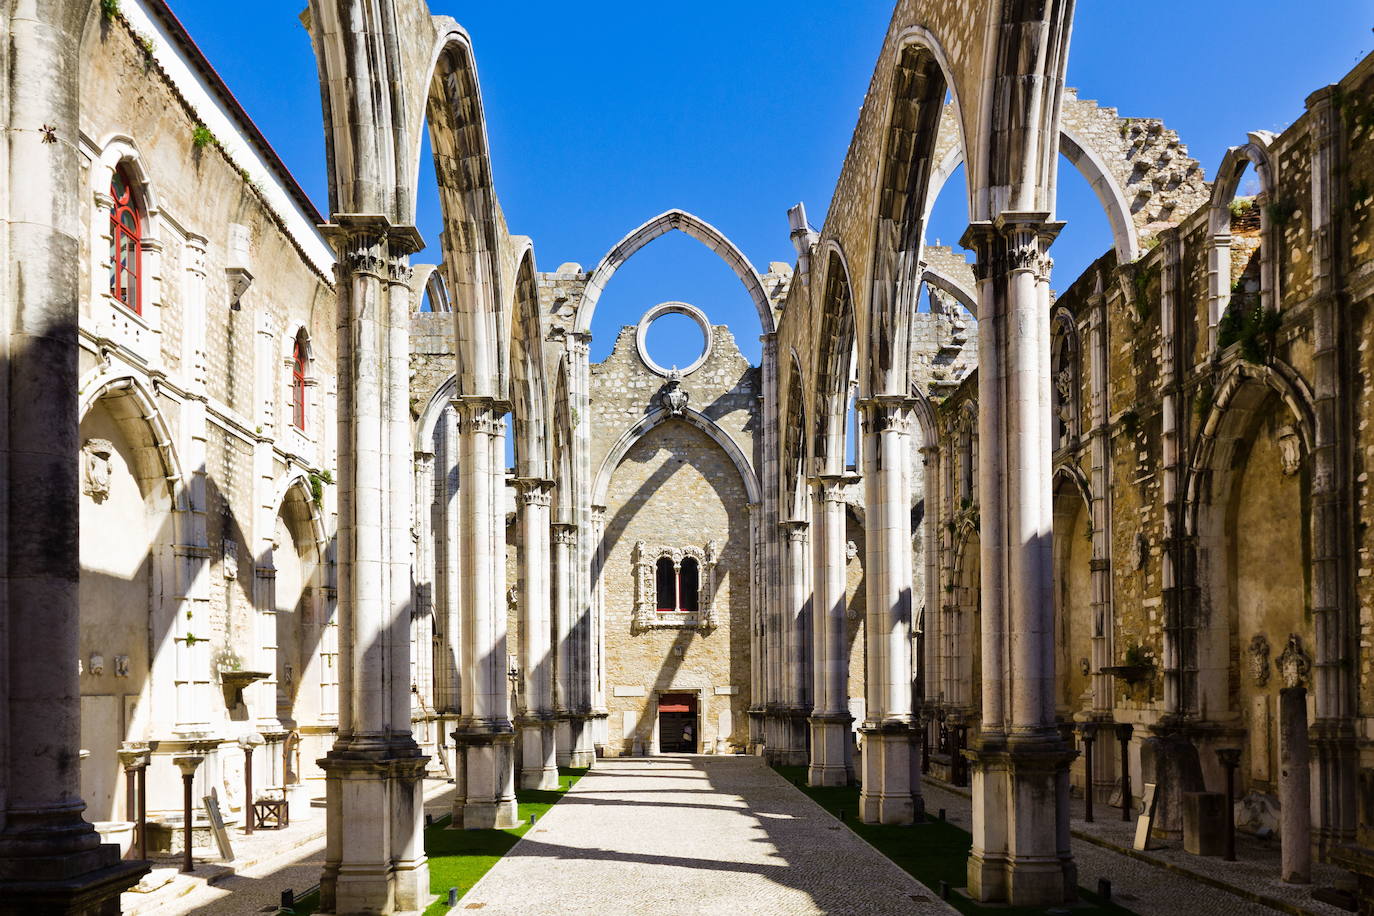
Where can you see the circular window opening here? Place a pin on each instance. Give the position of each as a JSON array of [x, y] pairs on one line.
[[674, 335]]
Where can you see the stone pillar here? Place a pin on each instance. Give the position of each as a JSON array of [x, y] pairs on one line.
[[539, 765], [830, 718], [1020, 848], [485, 736], [587, 701], [564, 536], [51, 859], [1335, 622], [795, 600], [891, 772], [1295, 787], [374, 855]]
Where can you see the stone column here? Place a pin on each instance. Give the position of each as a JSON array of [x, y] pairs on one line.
[[1335, 618], [485, 736], [830, 718], [891, 772], [587, 701], [374, 856], [564, 536], [51, 859], [539, 765], [1020, 848], [796, 600], [1295, 787]]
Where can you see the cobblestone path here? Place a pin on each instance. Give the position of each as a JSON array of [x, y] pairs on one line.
[[694, 835]]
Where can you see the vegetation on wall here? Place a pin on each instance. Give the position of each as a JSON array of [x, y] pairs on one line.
[[1248, 323]]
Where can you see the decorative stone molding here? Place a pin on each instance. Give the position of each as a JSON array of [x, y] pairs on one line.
[[96, 468], [647, 615], [1259, 659], [672, 395], [1294, 664]]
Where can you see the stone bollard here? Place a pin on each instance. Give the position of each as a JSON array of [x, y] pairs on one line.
[[1295, 786]]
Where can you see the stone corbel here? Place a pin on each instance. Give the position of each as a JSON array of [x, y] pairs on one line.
[[240, 278]]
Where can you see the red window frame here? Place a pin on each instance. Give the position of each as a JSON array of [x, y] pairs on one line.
[[126, 243], [298, 360]]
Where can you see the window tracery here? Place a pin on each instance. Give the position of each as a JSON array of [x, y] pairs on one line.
[[673, 586]]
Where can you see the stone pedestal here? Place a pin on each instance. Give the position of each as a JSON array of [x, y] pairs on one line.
[[1021, 850], [795, 734], [891, 768], [829, 751], [1204, 823], [538, 754], [486, 790], [374, 847]]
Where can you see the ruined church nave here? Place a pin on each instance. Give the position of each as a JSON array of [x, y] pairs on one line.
[[352, 563]]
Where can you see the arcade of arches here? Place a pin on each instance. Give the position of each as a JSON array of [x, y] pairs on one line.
[[949, 526]]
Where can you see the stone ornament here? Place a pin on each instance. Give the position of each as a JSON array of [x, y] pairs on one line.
[[1294, 664], [121, 666], [673, 397], [1259, 660], [851, 550], [95, 462], [96, 665], [1290, 450]]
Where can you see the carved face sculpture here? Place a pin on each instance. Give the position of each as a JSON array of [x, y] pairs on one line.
[[96, 466], [1259, 660], [1290, 450], [1294, 664]]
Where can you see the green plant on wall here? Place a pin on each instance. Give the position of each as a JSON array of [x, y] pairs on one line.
[[1248, 323], [317, 485], [1137, 656], [1280, 212], [1203, 402], [202, 137], [109, 8]]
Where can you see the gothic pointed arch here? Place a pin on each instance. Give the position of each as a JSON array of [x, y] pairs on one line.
[[834, 360], [657, 417], [693, 226], [526, 389]]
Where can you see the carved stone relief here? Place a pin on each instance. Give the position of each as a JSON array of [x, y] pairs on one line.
[[96, 468], [1294, 664], [1259, 659]]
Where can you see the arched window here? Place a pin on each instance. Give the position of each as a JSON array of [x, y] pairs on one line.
[[666, 578], [299, 357], [688, 584], [126, 243]]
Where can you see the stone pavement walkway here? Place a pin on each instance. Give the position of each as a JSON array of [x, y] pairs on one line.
[[694, 836]]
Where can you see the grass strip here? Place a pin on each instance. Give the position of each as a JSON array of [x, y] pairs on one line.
[[931, 852], [458, 858]]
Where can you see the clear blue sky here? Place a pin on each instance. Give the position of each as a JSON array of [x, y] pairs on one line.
[[603, 115]]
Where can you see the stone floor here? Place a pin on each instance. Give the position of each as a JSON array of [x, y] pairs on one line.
[[694, 835], [265, 864]]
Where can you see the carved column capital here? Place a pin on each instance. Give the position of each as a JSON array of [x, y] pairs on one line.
[[886, 411], [796, 531], [480, 415], [533, 491], [564, 533]]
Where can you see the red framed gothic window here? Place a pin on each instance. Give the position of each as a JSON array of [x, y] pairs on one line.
[[126, 243], [298, 366]]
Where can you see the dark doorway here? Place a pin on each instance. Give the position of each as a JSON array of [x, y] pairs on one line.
[[677, 723]]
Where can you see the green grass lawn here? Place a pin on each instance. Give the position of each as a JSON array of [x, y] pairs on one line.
[[932, 852], [458, 858]]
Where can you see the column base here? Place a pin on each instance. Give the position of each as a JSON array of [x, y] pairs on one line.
[[829, 765], [583, 751], [538, 755], [370, 782], [891, 776], [54, 863], [1020, 853], [486, 777], [796, 731]]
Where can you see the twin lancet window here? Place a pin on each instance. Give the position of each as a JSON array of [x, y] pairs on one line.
[[673, 586], [126, 243]]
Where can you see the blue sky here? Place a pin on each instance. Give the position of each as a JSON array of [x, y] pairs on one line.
[[603, 115]]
